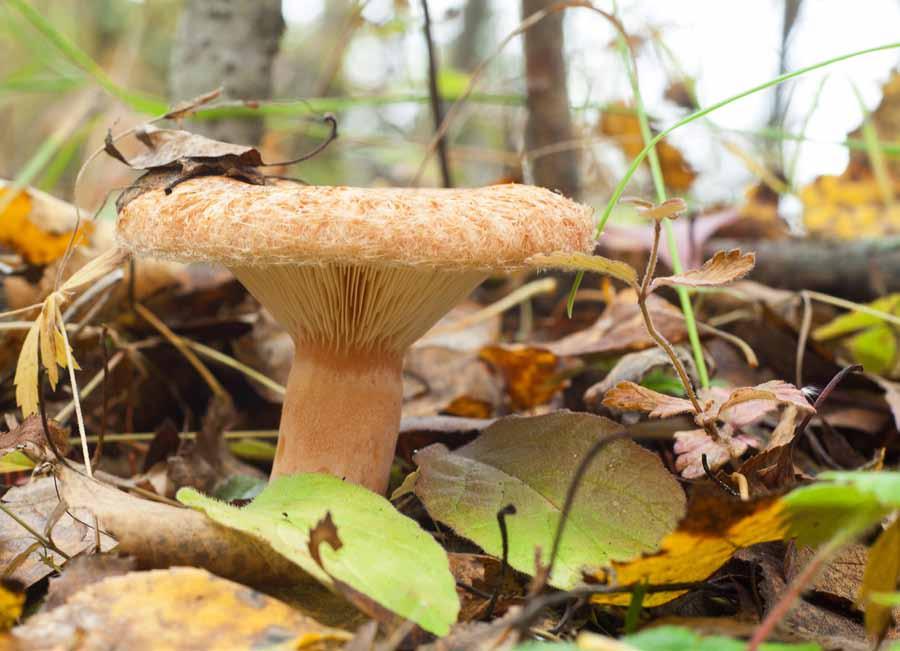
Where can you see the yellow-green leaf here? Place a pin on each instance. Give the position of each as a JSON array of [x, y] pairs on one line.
[[26, 379], [583, 262], [881, 575]]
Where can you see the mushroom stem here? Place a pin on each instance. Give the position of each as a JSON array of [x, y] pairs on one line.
[[341, 415]]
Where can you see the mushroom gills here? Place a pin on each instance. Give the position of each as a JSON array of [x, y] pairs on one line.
[[351, 326]]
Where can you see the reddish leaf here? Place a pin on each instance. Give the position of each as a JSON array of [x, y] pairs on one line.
[[628, 396], [691, 445], [748, 404]]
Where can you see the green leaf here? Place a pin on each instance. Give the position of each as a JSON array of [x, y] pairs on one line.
[[14, 462], [674, 638], [385, 555], [252, 449], [844, 501], [875, 348], [452, 83], [239, 487], [626, 503], [854, 321]]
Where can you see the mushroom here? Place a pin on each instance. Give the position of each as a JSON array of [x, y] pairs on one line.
[[355, 275]]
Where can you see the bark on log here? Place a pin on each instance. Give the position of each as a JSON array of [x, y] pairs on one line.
[[549, 121], [229, 43], [857, 270]]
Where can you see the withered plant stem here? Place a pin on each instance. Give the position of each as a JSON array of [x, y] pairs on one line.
[[658, 337]]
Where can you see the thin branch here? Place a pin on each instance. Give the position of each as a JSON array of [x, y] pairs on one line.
[[437, 109]]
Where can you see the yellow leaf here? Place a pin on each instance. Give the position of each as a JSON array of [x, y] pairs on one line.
[[881, 575], [583, 262], [715, 527], [179, 609], [26, 379], [11, 602], [49, 355]]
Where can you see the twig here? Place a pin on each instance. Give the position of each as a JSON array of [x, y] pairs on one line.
[[108, 365], [46, 542], [596, 449], [98, 450], [662, 342], [509, 509], [826, 392], [802, 337], [177, 341], [79, 417], [437, 109]]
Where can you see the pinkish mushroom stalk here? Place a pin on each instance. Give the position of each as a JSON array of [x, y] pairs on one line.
[[355, 276]]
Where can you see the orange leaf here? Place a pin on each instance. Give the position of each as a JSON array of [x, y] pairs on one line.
[[724, 267], [530, 373], [24, 228], [714, 528]]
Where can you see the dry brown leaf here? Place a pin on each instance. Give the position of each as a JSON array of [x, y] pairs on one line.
[[81, 571], [179, 609], [667, 209], [37, 504], [724, 267], [584, 262], [628, 396], [159, 535], [29, 437], [530, 373], [692, 445], [714, 528], [621, 328]]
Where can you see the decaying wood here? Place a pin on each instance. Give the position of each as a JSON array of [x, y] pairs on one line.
[[857, 269]]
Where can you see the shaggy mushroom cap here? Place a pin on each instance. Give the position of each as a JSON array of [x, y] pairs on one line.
[[356, 275]]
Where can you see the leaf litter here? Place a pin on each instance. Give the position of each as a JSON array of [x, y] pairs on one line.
[[499, 517]]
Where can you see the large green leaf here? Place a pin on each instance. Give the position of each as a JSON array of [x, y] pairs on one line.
[[848, 501], [385, 555], [626, 503]]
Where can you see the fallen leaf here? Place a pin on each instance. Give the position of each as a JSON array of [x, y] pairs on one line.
[[29, 437], [36, 225], [633, 367], [621, 123], [12, 600], [621, 328], [81, 571], [530, 373], [434, 377], [714, 528], [626, 502], [667, 209], [381, 547], [724, 267], [584, 262], [160, 535], [628, 396], [180, 609], [22, 557]]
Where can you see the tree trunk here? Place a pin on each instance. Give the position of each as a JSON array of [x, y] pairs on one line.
[[228, 43], [549, 121]]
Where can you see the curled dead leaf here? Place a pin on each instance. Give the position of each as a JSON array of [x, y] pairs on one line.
[[724, 267], [628, 396]]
